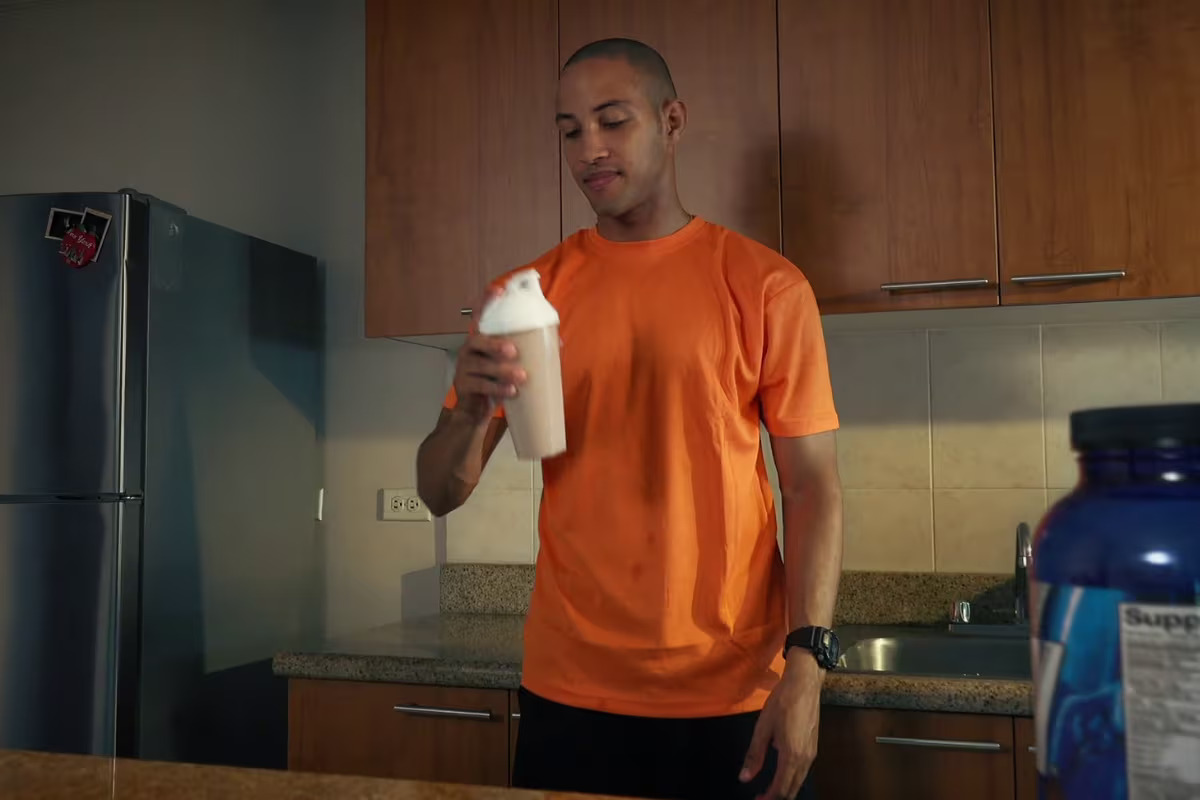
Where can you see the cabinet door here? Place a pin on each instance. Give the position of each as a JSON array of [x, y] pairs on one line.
[[723, 61], [462, 154], [514, 725], [427, 733], [1025, 754], [880, 755], [1098, 167], [886, 126]]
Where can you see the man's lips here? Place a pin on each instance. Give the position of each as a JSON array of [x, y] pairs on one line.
[[599, 180]]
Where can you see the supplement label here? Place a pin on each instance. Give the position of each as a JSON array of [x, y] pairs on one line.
[[1160, 666], [1116, 695]]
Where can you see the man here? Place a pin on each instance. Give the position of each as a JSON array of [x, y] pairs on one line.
[[654, 647]]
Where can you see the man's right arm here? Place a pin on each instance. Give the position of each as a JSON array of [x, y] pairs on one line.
[[451, 459]]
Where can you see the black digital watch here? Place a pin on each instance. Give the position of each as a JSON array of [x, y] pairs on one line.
[[821, 642]]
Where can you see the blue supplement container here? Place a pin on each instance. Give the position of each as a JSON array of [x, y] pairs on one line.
[[1116, 612]]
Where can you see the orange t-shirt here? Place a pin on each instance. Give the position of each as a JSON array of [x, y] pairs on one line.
[[659, 588]]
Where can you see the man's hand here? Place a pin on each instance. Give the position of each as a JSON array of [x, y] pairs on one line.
[[789, 722], [486, 371]]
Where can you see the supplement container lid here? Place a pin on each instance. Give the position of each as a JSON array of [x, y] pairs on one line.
[[1136, 427], [521, 307]]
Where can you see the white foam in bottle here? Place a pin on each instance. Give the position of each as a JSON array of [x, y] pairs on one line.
[[523, 315]]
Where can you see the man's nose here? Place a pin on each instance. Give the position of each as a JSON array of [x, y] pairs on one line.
[[593, 148]]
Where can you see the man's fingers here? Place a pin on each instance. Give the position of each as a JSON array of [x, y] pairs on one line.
[[500, 373], [495, 347], [798, 783], [758, 749], [785, 776], [473, 385]]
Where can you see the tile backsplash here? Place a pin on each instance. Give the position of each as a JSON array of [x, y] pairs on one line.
[[950, 437]]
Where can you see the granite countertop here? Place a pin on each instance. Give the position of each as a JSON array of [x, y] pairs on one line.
[[44, 776], [484, 651]]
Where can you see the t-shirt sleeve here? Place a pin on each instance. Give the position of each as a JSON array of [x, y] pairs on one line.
[[794, 386], [451, 401]]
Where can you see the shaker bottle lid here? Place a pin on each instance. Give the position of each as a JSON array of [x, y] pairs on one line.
[[1136, 426], [521, 307]]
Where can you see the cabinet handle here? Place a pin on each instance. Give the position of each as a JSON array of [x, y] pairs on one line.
[[928, 286], [1032, 749], [1070, 277], [941, 744], [516, 715], [444, 713], [466, 312]]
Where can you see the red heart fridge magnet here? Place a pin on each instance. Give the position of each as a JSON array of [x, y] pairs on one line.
[[78, 247]]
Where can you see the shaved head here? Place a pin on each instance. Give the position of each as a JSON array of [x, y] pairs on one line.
[[642, 57]]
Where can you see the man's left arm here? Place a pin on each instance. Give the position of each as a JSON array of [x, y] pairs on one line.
[[812, 545], [812, 527]]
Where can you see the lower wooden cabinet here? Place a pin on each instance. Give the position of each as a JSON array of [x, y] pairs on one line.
[[427, 733], [1025, 757], [455, 735], [514, 723], [872, 754]]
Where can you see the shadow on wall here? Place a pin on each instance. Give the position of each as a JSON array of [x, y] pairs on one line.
[[420, 590]]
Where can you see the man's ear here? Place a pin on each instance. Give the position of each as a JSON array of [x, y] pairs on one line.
[[674, 118]]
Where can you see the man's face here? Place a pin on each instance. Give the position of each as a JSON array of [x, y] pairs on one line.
[[614, 136]]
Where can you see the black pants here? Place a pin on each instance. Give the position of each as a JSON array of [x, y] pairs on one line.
[[566, 749]]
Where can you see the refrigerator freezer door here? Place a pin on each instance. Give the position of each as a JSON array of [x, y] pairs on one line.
[[58, 565], [60, 345]]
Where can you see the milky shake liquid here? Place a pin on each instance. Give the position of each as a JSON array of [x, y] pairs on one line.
[[523, 315]]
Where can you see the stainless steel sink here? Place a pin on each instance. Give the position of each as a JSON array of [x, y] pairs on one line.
[[941, 656]]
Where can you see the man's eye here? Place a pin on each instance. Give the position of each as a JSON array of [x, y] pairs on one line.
[[571, 134], [616, 123]]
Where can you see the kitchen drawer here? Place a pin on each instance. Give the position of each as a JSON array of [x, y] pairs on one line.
[[428, 733], [875, 754]]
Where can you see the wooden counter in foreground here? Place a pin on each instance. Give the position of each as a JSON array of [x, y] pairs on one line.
[[43, 776]]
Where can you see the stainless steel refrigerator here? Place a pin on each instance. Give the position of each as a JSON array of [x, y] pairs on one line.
[[160, 410]]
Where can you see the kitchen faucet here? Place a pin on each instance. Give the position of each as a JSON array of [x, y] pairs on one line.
[[1024, 550]]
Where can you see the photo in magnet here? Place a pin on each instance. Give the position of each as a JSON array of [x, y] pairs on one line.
[[60, 221], [96, 223]]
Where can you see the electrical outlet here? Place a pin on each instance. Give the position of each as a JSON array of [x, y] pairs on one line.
[[402, 505]]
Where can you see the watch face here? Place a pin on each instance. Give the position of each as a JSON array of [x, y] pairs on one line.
[[831, 647]]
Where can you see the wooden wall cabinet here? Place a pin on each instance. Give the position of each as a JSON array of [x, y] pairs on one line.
[[886, 128], [462, 154], [874, 754], [723, 61], [385, 730], [1098, 161], [1015, 145]]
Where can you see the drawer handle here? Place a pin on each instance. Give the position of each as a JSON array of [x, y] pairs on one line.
[[516, 715], [1032, 749], [941, 744], [466, 312], [928, 286], [443, 713], [1070, 277]]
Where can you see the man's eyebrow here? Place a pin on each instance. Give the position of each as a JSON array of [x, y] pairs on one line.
[[609, 104], [561, 116]]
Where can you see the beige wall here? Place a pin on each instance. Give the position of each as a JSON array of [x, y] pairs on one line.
[[249, 113]]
